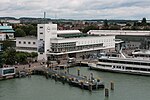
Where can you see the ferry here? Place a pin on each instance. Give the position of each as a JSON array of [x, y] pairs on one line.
[[7, 72], [122, 65]]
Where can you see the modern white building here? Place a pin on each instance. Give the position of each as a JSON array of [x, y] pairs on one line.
[[26, 44], [120, 32], [53, 44]]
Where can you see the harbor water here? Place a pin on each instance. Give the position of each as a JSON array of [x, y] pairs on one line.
[[126, 87]]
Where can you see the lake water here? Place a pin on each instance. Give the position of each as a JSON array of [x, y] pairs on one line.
[[127, 87]]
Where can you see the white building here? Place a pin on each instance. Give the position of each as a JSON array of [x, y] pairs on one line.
[[52, 44], [8, 30], [120, 32], [26, 44], [2, 36]]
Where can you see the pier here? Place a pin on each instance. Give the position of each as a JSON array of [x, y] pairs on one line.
[[74, 80]]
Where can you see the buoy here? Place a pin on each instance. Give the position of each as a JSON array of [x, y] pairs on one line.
[[106, 92]]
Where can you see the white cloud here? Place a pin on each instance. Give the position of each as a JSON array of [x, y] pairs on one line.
[[77, 9]]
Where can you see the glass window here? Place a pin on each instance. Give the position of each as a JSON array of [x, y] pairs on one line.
[[29, 42], [19, 42], [8, 71], [24, 42]]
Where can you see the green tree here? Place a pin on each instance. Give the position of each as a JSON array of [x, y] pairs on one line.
[[144, 22], [7, 44], [33, 32], [92, 27], [105, 25], [21, 57], [9, 56], [19, 33]]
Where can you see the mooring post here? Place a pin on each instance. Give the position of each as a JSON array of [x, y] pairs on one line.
[[112, 85], [90, 87], [78, 72], [46, 74], [106, 92], [68, 70]]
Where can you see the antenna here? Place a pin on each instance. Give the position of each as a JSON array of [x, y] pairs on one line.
[[44, 17]]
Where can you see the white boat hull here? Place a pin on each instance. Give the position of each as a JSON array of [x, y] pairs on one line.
[[134, 72]]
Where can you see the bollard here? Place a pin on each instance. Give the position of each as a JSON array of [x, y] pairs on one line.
[[82, 85], [106, 92], [63, 79], [65, 72], [90, 87], [80, 63], [68, 70], [111, 85], [46, 74], [78, 72]]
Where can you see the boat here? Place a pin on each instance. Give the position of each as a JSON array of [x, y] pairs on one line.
[[7, 72], [122, 65]]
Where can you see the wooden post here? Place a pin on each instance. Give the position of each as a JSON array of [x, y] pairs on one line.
[[68, 70], [90, 87], [111, 85], [78, 72], [106, 92]]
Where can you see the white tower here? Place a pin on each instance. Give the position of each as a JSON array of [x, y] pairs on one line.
[[45, 33]]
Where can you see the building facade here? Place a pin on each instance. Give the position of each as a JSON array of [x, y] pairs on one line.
[[26, 44], [53, 44], [8, 32]]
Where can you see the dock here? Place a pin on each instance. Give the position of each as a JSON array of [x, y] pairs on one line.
[[73, 80]]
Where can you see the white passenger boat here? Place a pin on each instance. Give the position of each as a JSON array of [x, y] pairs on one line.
[[122, 65], [7, 72]]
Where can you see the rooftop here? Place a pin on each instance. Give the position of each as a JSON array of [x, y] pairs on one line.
[[68, 31]]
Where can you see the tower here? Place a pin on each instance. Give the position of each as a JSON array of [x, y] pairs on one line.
[[45, 32]]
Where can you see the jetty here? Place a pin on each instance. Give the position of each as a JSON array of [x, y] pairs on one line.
[[65, 77]]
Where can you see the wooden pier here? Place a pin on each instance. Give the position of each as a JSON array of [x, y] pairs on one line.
[[73, 80]]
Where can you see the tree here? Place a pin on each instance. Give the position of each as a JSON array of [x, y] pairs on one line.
[[144, 23], [33, 32], [9, 56], [19, 33], [105, 25], [92, 27], [21, 57], [7, 44]]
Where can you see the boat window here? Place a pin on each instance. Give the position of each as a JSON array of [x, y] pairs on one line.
[[8, 71], [128, 68], [143, 69], [135, 68]]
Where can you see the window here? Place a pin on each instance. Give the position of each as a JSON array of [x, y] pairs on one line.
[[29, 42], [33, 42], [41, 39], [41, 33], [41, 27], [19, 42], [24, 42]]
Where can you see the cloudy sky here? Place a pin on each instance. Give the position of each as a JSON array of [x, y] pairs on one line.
[[77, 9]]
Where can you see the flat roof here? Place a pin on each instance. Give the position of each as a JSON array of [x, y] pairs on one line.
[[120, 32], [5, 27], [67, 31]]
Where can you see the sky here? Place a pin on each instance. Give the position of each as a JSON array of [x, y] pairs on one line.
[[76, 9]]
